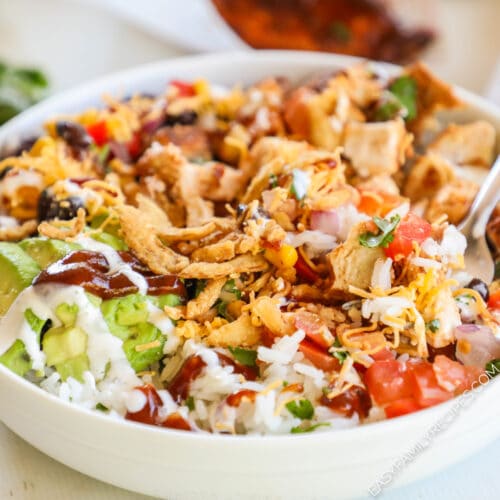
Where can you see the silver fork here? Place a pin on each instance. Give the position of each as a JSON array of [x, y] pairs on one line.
[[478, 260]]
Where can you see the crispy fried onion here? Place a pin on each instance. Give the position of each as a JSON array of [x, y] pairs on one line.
[[205, 300], [63, 229], [240, 264], [157, 217], [18, 232], [197, 233], [140, 235]]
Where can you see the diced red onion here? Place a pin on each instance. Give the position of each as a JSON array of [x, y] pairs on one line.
[[152, 126], [120, 151], [326, 221], [482, 346]]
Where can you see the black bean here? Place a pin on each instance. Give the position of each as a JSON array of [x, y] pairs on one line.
[[74, 134], [24, 145], [5, 171], [190, 284], [480, 287], [49, 208], [187, 117]]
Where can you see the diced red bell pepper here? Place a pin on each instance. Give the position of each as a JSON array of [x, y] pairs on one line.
[[304, 271], [184, 89], [99, 132]]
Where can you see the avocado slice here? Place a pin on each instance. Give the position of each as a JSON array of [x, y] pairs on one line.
[[73, 367], [62, 343], [142, 335], [124, 312], [16, 358], [108, 239], [47, 251], [18, 271], [67, 313]]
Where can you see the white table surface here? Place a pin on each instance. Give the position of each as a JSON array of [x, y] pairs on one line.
[[75, 42]]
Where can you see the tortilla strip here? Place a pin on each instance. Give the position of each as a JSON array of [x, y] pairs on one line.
[[241, 264], [206, 299]]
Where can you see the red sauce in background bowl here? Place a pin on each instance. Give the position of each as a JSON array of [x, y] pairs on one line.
[[363, 28]]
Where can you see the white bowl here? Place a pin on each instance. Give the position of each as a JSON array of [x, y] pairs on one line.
[[179, 465]]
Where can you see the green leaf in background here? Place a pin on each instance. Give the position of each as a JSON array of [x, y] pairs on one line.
[[20, 88]]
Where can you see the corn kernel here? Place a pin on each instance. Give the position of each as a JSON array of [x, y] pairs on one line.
[[202, 88], [286, 256]]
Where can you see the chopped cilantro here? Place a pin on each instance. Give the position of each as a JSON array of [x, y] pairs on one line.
[[300, 184], [273, 181], [389, 108], [101, 407], [340, 355], [433, 325], [493, 368], [200, 286], [190, 403], [386, 235], [221, 308], [405, 90], [302, 409], [399, 99], [299, 429], [231, 288], [246, 357], [102, 153], [340, 31]]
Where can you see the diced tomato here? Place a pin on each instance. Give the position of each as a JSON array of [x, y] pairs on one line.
[[184, 89], [354, 400], [176, 421], [315, 328], [148, 414], [99, 132], [267, 337], [383, 355], [134, 146], [494, 300], [427, 391], [411, 229], [304, 271], [453, 376], [401, 407], [377, 203], [388, 381], [320, 358]]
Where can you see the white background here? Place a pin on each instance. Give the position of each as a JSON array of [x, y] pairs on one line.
[[74, 41]]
